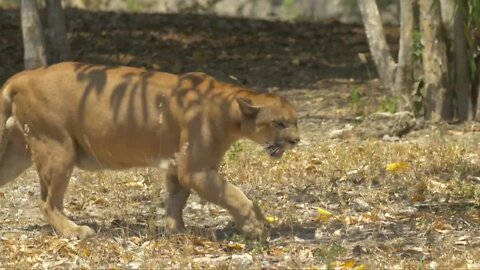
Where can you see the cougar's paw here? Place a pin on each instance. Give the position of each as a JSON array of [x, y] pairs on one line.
[[253, 230], [253, 226], [84, 232], [174, 226]]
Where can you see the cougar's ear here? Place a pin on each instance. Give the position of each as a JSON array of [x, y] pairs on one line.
[[246, 107]]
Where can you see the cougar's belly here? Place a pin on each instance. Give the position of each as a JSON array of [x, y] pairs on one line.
[[127, 149]]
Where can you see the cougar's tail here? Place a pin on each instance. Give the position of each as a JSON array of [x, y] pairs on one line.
[[13, 158], [5, 113]]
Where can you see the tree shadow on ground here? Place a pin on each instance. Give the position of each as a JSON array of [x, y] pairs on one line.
[[122, 227], [256, 53]]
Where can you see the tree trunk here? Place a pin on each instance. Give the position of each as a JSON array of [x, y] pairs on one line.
[[377, 42], [438, 101], [475, 88], [57, 33], [404, 72], [33, 42], [461, 61], [447, 10]]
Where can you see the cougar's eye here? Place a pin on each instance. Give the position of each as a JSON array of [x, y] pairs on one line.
[[280, 124]]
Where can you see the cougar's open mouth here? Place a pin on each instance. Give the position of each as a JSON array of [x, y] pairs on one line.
[[275, 150]]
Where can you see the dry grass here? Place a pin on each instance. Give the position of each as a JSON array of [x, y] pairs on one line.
[[425, 215]]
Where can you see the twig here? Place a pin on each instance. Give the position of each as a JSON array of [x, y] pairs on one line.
[[449, 204], [473, 178]]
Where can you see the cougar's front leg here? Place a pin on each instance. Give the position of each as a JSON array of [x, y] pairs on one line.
[[211, 187], [198, 163]]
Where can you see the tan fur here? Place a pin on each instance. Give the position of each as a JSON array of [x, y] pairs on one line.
[[104, 117]]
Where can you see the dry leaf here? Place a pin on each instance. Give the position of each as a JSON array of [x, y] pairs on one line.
[[442, 227], [276, 251], [336, 264], [99, 201], [350, 220], [349, 264], [315, 161], [360, 267], [271, 219], [397, 167], [417, 198], [323, 214], [199, 241], [236, 246], [133, 183], [310, 168], [369, 217]]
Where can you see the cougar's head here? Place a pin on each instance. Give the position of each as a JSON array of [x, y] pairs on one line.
[[271, 121]]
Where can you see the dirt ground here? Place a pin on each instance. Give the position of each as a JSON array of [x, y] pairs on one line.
[[340, 200]]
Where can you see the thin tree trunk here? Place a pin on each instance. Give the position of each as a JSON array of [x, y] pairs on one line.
[[404, 72], [57, 33], [438, 101], [475, 88], [461, 61], [33, 42], [377, 42]]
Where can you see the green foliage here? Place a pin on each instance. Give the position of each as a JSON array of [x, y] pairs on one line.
[[330, 253], [288, 3], [466, 191], [473, 13], [356, 95], [472, 32], [389, 104], [258, 247], [289, 6], [235, 151], [356, 100], [417, 45], [133, 6], [417, 100]]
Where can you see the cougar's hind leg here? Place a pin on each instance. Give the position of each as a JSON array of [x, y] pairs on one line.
[[55, 161], [177, 199]]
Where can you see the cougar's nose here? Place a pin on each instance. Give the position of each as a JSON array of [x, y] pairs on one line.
[[294, 141]]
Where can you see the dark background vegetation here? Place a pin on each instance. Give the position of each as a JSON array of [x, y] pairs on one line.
[[258, 53]]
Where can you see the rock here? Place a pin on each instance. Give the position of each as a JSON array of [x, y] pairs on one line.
[[236, 261], [388, 125], [360, 205], [340, 133], [211, 262], [433, 265], [389, 138], [134, 265], [242, 261]]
